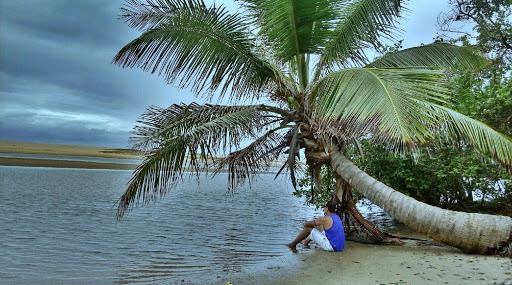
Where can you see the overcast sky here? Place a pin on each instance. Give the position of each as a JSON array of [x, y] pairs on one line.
[[57, 83]]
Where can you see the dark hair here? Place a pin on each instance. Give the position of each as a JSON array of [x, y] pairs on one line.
[[332, 206]]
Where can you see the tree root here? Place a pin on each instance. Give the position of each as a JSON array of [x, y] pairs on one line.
[[349, 212], [505, 250]]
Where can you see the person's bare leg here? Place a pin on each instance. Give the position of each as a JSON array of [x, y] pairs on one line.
[[308, 240], [302, 235]]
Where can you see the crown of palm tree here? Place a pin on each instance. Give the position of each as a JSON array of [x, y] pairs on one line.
[[308, 59]]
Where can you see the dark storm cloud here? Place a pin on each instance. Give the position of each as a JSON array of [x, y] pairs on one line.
[[87, 21], [61, 132], [57, 81]]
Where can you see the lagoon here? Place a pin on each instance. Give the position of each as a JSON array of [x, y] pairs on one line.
[[58, 226]]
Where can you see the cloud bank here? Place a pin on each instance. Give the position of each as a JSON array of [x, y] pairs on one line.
[[57, 83]]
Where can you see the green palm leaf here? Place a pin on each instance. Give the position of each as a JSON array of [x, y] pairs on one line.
[[433, 55], [401, 108], [294, 27], [391, 104], [361, 25], [186, 136], [203, 47], [148, 14], [478, 134]]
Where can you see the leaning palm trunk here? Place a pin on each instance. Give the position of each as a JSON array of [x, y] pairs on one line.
[[471, 232]]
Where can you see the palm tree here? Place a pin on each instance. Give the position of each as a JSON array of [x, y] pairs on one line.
[[307, 60]]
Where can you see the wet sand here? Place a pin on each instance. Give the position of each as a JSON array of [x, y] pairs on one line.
[[415, 262], [8, 161]]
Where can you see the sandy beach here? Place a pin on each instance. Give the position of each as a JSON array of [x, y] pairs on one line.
[[414, 262], [72, 151], [57, 149], [65, 150]]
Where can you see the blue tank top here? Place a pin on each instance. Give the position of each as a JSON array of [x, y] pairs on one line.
[[336, 234]]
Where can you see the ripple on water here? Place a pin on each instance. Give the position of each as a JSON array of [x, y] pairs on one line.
[[59, 225]]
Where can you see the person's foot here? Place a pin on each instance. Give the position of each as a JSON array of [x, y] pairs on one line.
[[292, 247]]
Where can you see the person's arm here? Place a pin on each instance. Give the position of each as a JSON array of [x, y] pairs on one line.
[[310, 224], [316, 222]]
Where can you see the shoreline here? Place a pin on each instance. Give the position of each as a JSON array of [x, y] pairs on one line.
[[55, 163], [64, 150], [414, 262], [68, 150], [59, 163], [76, 151]]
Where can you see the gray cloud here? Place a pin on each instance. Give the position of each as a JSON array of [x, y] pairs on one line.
[[52, 128], [57, 81], [92, 22]]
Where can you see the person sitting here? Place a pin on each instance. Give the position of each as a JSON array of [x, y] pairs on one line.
[[327, 231]]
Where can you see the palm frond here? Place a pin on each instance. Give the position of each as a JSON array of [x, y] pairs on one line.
[[433, 55], [390, 104], [158, 124], [186, 136], [147, 14], [476, 133], [206, 48], [245, 163], [294, 27], [361, 25], [400, 108]]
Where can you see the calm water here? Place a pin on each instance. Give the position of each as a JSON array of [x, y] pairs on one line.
[[58, 226]]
